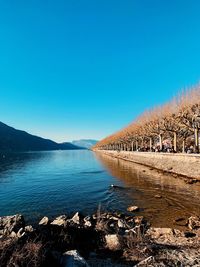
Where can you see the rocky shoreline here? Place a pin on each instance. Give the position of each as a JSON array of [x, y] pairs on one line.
[[102, 239]]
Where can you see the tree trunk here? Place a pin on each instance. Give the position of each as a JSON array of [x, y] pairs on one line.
[[183, 148], [136, 145], [142, 144], [160, 142], [175, 141], [150, 144], [196, 138], [132, 144]]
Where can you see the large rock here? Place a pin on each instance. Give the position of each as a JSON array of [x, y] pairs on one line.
[[76, 218], [44, 221], [88, 221], [60, 221], [9, 224], [112, 242], [194, 222], [72, 259], [157, 232], [29, 229]]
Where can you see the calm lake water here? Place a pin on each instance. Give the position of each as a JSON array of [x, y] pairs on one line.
[[63, 182]]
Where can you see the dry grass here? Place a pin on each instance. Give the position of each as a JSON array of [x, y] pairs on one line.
[[16, 254]]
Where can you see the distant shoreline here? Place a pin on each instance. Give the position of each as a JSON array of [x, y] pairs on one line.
[[31, 151]]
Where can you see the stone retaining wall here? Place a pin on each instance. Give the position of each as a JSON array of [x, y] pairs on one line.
[[182, 164]]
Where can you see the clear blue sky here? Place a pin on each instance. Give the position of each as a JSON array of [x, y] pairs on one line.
[[74, 69]]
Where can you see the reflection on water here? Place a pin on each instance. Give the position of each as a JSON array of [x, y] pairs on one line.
[[61, 182], [178, 198], [55, 182]]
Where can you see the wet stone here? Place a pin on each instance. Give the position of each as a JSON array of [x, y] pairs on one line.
[[44, 221], [11, 223], [60, 221], [180, 221], [76, 218], [133, 208]]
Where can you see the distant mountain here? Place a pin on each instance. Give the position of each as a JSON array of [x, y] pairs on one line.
[[67, 144], [86, 143], [17, 140]]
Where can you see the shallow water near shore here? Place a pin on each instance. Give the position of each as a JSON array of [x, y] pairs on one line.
[[63, 182]]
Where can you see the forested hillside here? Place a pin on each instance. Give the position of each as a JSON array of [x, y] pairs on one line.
[[17, 140]]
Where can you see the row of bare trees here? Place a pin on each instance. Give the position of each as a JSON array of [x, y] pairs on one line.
[[173, 127]]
